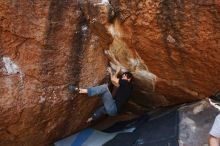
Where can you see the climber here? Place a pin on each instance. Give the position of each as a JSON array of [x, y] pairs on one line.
[[111, 105]]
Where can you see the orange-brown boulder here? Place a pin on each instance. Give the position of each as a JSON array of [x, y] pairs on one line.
[[171, 47]]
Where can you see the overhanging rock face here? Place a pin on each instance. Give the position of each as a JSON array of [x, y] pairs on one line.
[[172, 49]]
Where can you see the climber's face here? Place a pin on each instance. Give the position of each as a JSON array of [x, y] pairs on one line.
[[125, 77]]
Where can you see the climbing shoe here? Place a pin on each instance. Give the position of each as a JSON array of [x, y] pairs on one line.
[[73, 88]]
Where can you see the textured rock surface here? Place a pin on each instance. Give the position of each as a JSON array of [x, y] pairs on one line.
[[171, 47], [178, 41], [195, 123], [45, 45]]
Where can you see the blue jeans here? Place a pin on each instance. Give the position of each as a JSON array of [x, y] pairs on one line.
[[107, 99]]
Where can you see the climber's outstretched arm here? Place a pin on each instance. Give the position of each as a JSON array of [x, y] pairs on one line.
[[114, 79]]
